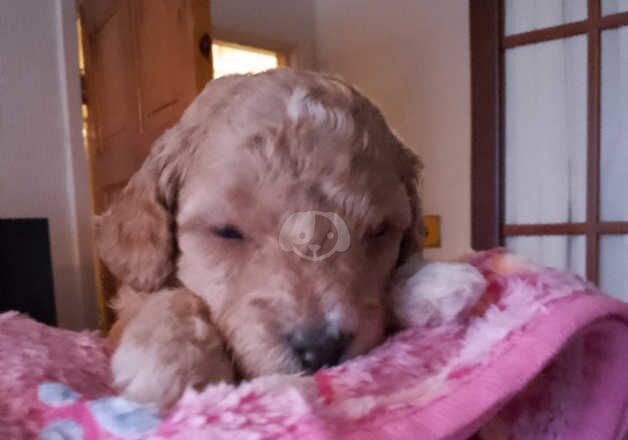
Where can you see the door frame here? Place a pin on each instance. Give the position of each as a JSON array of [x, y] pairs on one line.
[[485, 27], [82, 275]]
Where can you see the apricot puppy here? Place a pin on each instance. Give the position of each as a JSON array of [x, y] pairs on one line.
[[260, 235]]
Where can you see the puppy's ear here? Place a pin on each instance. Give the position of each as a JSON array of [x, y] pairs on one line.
[[134, 237], [410, 171]]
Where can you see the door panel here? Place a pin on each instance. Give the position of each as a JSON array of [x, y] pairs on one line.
[[614, 125], [143, 67], [545, 133], [111, 99], [164, 93], [113, 72]]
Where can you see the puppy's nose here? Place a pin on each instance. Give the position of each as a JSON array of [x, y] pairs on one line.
[[316, 348]]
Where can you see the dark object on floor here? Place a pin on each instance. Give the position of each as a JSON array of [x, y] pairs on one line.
[[26, 270]]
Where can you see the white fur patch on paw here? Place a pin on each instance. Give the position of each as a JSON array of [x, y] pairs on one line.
[[437, 293], [167, 347], [141, 374]]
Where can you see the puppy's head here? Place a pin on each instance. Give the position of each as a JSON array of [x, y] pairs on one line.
[[285, 201]]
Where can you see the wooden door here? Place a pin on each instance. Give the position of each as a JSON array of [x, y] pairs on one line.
[[145, 61]]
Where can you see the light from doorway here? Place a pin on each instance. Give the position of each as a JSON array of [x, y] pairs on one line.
[[228, 58]]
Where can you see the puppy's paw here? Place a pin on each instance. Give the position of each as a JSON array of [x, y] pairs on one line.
[[168, 346], [436, 293]]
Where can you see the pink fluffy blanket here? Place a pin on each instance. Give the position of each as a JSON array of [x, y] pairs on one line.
[[540, 355]]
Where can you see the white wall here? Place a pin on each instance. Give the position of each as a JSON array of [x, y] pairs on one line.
[[277, 24], [412, 58], [42, 166]]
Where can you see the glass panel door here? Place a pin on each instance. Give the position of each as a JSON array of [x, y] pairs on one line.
[[614, 6], [562, 252], [614, 125], [564, 136], [614, 265], [545, 132], [527, 15]]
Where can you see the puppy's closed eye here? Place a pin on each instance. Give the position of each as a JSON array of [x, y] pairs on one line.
[[228, 232], [378, 231]]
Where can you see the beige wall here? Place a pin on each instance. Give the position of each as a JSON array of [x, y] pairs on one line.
[[277, 24], [43, 171], [412, 58]]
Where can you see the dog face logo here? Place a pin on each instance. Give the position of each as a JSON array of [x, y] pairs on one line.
[[297, 235]]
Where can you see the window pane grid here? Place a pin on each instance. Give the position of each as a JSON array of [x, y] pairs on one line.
[[509, 230], [601, 15], [594, 20]]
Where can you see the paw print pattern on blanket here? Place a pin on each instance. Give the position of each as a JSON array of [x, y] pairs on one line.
[[73, 420], [56, 394], [62, 430], [542, 346], [123, 417]]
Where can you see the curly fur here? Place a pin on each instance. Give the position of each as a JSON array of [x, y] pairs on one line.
[[250, 151]]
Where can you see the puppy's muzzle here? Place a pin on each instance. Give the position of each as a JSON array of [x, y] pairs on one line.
[[316, 347]]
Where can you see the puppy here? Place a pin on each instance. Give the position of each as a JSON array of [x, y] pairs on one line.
[[260, 235]]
